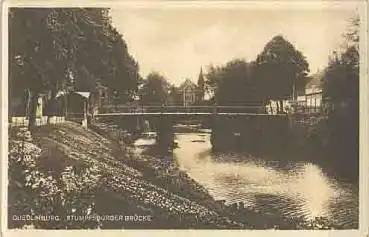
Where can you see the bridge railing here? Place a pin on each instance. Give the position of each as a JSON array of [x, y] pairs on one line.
[[187, 109], [306, 109]]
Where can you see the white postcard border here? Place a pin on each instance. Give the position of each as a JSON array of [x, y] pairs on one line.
[[275, 5]]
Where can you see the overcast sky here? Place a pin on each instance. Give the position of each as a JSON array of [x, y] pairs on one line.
[[177, 42]]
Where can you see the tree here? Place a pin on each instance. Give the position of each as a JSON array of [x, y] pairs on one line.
[[174, 95], [352, 34], [114, 67], [232, 83], [154, 90], [212, 78], [341, 92], [279, 69], [60, 48], [341, 78], [36, 61]]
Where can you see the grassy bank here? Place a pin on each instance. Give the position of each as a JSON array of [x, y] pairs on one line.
[[66, 170]]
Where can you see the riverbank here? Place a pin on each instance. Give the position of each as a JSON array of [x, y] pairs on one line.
[[294, 139], [66, 170], [88, 174], [164, 171]]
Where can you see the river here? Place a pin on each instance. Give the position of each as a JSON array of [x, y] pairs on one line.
[[299, 189]]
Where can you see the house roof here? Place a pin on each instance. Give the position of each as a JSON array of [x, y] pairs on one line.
[[187, 83], [83, 94]]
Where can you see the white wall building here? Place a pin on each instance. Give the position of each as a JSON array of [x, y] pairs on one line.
[[310, 101], [188, 90]]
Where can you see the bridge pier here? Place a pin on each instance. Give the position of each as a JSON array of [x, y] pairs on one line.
[[224, 133], [165, 133]]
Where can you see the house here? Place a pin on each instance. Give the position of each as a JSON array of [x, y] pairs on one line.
[[188, 91], [306, 100], [310, 101], [314, 92]]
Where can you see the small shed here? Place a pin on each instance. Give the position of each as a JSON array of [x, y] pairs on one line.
[[78, 106]]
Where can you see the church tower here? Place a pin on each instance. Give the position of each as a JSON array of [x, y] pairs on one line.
[[201, 86]]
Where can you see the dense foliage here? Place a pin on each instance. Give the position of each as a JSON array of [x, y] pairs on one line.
[[154, 90], [341, 92], [67, 49], [175, 95], [278, 71], [232, 83], [280, 68]]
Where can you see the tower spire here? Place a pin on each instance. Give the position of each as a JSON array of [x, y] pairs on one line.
[[201, 85]]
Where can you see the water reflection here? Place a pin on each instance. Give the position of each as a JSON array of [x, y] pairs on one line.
[[147, 139], [295, 189], [301, 189]]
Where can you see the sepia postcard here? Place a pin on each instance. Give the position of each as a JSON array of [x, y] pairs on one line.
[[184, 117]]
